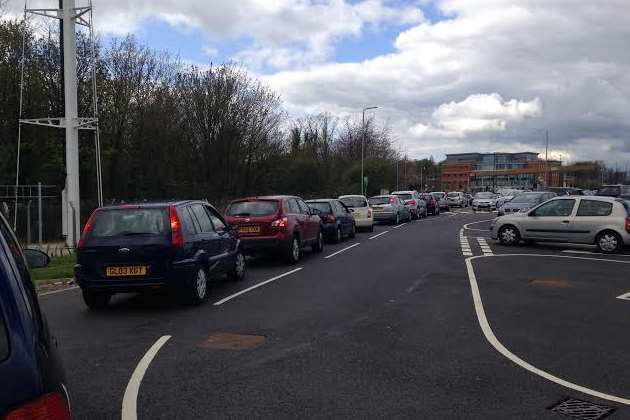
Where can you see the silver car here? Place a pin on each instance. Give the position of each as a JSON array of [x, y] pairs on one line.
[[524, 201], [484, 201], [389, 208], [602, 221], [440, 197], [458, 199], [413, 202]]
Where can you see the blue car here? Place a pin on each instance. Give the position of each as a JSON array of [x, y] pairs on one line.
[[32, 379]]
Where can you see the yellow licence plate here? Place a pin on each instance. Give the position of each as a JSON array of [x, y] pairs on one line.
[[249, 229], [140, 270]]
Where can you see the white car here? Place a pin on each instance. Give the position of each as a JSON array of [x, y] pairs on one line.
[[458, 199], [361, 211], [484, 201], [602, 221]]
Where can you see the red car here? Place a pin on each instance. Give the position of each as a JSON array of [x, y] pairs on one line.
[[433, 207], [279, 224]]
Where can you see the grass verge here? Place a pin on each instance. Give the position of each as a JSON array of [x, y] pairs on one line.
[[59, 268]]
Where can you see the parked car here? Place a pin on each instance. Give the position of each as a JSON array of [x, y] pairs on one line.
[[484, 201], [141, 247], [413, 202], [432, 205], [525, 201], [621, 191], [441, 199], [506, 195], [456, 198], [336, 218], [278, 224], [565, 191], [602, 221], [33, 384], [361, 211], [389, 208]]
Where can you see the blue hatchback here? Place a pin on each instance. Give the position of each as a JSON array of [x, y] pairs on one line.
[[32, 380]]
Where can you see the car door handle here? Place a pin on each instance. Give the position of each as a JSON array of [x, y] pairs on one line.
[[566, 222]]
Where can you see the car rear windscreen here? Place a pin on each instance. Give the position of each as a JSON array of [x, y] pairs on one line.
[[404, 196], [129, 222], [452, 195], [253, 208], [609, 191], [321, 207], [354, 202], [379, 200]]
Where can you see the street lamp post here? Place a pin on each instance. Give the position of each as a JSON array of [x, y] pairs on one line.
[[363, 146]]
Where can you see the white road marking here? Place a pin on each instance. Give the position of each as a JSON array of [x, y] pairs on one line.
[[399, 226], [466, 226], [577, 251], [342, 250], [57, 291], [492, 339], [130, 399], [485, 248], [625, 296], [379, 234], [249, 289]]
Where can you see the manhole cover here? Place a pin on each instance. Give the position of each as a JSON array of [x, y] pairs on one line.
[[579, 409], [549, 282], [227, 341]]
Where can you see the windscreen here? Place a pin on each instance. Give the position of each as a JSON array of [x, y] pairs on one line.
[[404, 196], [128, 222], [253, 208], [484, 195], [379, 200], [526, 198], [321, 207], [354, 202]]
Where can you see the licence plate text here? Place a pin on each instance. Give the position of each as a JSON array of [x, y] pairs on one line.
[[140, 270]]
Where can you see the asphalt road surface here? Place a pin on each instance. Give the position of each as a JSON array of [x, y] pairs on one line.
[[428, 320]]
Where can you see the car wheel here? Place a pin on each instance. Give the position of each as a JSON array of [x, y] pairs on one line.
[[397, 220], [294, 251], [238, 269], [609, 242], [196, 289], [371, 229], [353, 232], [319, 245], [509, 235], [96, 300], [338, 235]]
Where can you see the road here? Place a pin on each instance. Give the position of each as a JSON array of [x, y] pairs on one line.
[[428, 320]]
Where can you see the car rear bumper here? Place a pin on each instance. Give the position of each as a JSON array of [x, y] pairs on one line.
[[263, 244], [364, 222], [385, 216]]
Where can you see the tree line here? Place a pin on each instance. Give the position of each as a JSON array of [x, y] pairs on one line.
[[169, 130]]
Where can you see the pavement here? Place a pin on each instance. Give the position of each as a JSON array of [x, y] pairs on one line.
[[426, 320]]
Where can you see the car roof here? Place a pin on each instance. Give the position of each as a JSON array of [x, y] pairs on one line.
[[404, 192], [151, 204], [321, 200], [265, 197], [351, 195]]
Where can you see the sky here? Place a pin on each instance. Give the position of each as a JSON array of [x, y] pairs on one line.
[[448, 76]]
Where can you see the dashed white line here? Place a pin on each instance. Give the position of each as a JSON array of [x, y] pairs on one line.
[[130, 399], [249, 289], [485, 248], [577, 251], [341, 250], [399, 226], [625, 296], [379, 234]]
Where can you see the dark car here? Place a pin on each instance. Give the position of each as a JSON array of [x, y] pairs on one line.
[[276, 224], [136, 248], [32, 384], [433, 207], [525, 201], [336, 218], [565, 191], [617, 191]]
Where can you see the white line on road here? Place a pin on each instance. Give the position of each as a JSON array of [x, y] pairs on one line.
[[130, 399], [466, 226], [57, 291], [341, 250], [399, 226], [492, 339], [577, 251], [262, 283], [377, 235], [625, 296]]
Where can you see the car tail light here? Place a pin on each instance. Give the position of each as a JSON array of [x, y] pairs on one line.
[[177, 239], [280, 223], [330, 218], [86, 230], [392, 200], [369, 213], [51, 406], [412, 202], [628, 224]]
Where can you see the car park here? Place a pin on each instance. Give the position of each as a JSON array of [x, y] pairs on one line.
[[602, 221], [621, 191], [433, 208], [525, 201], [440, 197], [361, 211], [484, 201], [33, 384], [337, 219], [389, 208], [456, 199], [278, 224], [413, 202], [142, 247]]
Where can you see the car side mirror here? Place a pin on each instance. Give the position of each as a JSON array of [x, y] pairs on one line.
[[36, 258]]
